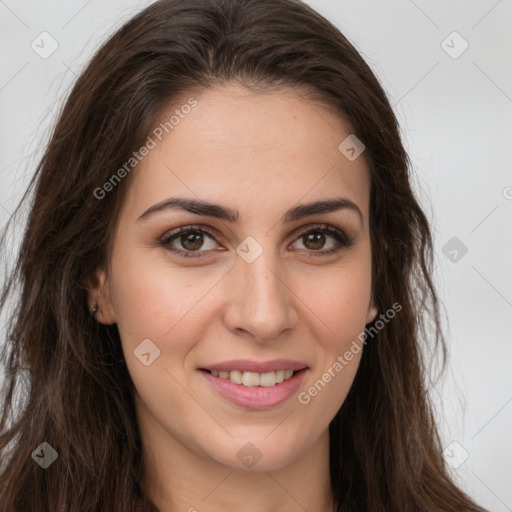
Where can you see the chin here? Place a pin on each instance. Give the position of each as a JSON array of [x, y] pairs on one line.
[[256, 453]]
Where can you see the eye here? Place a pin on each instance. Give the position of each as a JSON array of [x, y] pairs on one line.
[[191, 239], [314, 239]]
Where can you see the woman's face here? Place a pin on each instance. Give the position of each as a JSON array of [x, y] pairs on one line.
[[253, 289]]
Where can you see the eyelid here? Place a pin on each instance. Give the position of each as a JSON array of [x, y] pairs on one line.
[[189, 227], [328, 228]]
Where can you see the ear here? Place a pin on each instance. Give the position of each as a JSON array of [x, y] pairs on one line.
[[98, 292], [372, 313]]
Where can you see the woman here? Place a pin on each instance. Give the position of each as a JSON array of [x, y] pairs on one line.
[[223, 280]]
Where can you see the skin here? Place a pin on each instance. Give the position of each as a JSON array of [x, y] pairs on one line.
[[261, 154]]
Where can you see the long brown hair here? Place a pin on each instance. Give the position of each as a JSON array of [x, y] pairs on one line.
[[69, 371]]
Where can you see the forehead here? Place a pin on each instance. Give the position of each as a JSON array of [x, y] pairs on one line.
[[247, 150]]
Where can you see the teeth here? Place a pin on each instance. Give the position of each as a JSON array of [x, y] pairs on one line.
[[251, 379], [235, 376]]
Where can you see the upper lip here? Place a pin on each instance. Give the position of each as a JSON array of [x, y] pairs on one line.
[[245, 365]]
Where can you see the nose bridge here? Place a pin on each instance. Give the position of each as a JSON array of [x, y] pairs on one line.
[[262, 276], [261, 302]]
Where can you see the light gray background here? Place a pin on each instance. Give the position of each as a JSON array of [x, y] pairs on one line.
[[456, 118]]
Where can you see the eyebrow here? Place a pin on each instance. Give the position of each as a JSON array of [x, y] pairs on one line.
[[232, 215]]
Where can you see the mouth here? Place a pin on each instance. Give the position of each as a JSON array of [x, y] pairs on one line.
[[255, 390]]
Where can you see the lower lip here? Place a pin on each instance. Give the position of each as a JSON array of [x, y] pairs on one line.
[[256, 397]]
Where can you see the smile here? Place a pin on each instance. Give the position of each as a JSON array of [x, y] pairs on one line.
[[252, 390]]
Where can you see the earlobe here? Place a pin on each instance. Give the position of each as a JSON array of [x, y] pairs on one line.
[[372, 313], [99, 300]]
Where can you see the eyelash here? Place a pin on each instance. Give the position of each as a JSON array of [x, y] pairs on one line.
[[338, 235]]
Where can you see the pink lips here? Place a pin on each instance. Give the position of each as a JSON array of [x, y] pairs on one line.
[[256, 397]]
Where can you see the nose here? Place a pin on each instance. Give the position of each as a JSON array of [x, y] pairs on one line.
[[260, 303]]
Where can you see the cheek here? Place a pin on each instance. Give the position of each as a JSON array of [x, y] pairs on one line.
[[156, 299], [337, 300], [336, 315], [159, 301]]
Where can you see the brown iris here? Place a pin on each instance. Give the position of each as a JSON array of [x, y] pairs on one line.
[[316, 239], [192, 241]]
